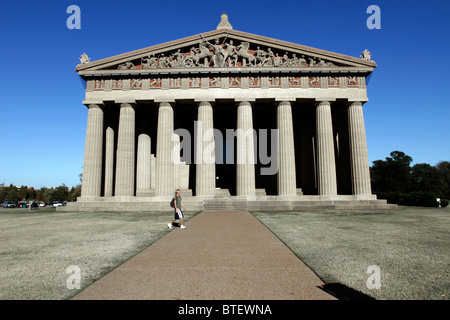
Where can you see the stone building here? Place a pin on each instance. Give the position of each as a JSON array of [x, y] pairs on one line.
[[233, 119]]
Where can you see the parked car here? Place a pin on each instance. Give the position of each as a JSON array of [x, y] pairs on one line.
[[42, 204], [33, 205], [9, 204], [58, 203]]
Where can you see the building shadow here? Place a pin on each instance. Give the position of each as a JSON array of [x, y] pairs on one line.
[[342, 292]]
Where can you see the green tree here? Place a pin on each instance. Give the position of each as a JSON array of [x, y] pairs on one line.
[[12, 194], [393, 174], [22, 193], [31, 193], [60, 193], [443, 173], [75, 192], [45, 194], [40, 196], [394, 179], [3, 192], [424, 177]]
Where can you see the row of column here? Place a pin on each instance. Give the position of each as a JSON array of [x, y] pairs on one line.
[[165, 180]]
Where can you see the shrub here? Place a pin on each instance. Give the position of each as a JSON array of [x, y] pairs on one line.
[[414, 198]]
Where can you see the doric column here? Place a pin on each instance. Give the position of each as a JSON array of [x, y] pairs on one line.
[[164, 145], [176, 159], [245, 167], [358, 150], [153, 171], [326, 166], [143, 169], [109, 162], [205, 151], [125, 151], [287, 185], [93, 153]]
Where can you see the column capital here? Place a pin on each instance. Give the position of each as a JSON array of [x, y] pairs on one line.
[[283, 103], [355, 103], [204, 103], [127, 105], [166, 104], [244, 103], [95, 106], [322, 103]]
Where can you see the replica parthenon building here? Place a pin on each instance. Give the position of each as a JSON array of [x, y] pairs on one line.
[[234, 119]]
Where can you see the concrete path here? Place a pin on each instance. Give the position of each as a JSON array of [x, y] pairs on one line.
[[226, 255]]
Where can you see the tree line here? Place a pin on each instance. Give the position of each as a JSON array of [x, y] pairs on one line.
[[47, 195], [420, 185], [393, 179]]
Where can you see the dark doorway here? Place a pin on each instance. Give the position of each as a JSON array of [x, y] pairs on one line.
[[304, 120], [185, 116], [264, 121], [224, 117]]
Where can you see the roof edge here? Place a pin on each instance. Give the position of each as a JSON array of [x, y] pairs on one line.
[[236, 33]]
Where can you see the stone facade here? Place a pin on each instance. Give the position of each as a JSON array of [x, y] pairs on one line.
[[233, 119]]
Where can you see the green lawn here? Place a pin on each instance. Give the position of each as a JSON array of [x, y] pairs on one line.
[[411, 246], [36, 247]]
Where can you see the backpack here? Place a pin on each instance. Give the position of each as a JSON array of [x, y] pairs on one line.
[[172, 204]]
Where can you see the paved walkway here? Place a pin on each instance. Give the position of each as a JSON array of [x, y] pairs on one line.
[[219, 256]]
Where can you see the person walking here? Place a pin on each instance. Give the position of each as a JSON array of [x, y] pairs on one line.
[[177, 204]]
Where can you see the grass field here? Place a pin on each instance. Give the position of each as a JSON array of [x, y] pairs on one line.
[[37, 247], [410, 245]]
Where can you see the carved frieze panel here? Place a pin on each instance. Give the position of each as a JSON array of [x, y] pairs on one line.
[[227, 82]]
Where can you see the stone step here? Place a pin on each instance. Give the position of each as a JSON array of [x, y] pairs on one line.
[[222, 193], [225, 204], [260, 203]]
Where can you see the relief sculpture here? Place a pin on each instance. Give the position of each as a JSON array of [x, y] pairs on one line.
[[222, 82], [224, 54]]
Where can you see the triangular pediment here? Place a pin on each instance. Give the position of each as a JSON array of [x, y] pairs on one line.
[[224, 50]]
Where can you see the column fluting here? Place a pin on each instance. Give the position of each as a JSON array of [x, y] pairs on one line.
[[326, 165], [125, 151], [109, 162], [358, 150], [245, 166], [93, 153], [143, 169], [205, 151], [165, 180], [287, 185]]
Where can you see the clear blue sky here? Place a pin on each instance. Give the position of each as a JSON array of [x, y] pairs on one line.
[[43, 122]]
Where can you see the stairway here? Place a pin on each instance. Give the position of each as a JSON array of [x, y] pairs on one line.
[[227, 204]]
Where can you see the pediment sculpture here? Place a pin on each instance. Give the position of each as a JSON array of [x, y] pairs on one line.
[[366, 55], [225, 53], [84, 58]]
